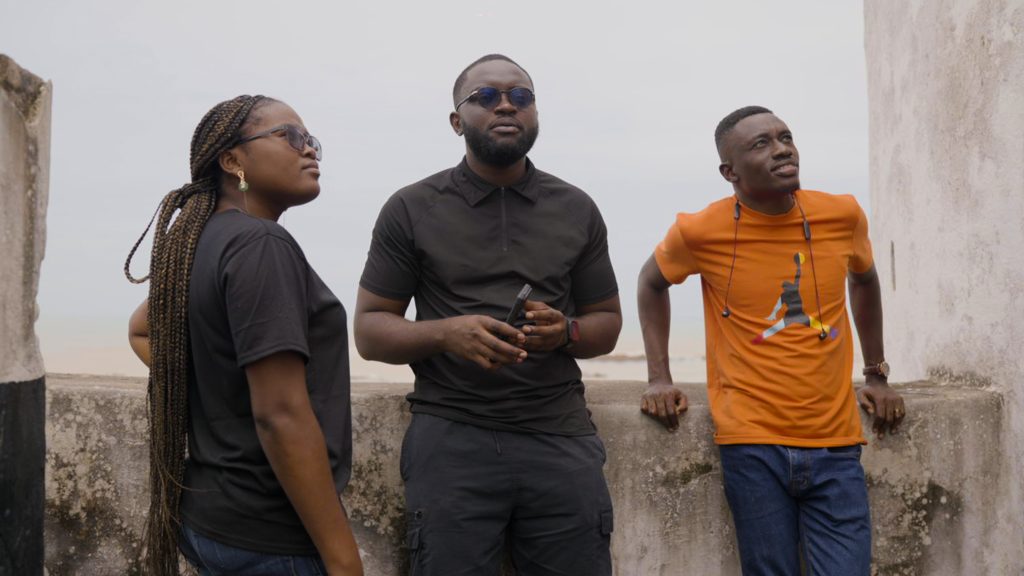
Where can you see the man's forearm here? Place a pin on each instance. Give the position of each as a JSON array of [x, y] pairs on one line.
[[599, 331], [388, 337], [655, 322], [655, 309], [866, 306]]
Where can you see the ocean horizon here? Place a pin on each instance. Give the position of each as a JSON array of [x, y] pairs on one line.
[[100, 347]]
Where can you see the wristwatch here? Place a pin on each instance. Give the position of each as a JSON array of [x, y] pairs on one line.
[[880, 369], [572, 332]]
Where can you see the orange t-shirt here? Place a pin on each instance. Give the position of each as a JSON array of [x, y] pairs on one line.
[[771, 379]]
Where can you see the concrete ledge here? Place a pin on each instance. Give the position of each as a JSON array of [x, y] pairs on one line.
[[97, 470], [932, 487]]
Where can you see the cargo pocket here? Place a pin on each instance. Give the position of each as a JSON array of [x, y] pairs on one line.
[[607, 523], [403, 458], [414, 542], [603, 555]]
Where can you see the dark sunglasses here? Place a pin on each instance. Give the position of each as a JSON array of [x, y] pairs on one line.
[[489, 98], [296, 138]]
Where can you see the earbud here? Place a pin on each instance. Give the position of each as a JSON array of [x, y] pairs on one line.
[[732, 267], [822, 335]]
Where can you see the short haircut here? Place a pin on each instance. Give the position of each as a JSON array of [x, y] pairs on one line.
[[461, 80], [734, 117]]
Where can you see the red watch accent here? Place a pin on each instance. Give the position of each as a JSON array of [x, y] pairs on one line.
[[572, 332]]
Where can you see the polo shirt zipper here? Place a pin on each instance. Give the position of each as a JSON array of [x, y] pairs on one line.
[[504, 224]]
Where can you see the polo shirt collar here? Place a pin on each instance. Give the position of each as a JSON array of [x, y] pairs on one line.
[[474, 188]]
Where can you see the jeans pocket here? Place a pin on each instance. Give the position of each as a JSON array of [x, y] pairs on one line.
[[187, 548], [308, 566]]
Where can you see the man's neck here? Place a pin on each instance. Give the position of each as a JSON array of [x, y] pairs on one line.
[[769, 204], [497, 175]]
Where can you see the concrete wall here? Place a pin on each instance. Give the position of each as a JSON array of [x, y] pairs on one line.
[[24, 188], [933, 497], [946, 98]]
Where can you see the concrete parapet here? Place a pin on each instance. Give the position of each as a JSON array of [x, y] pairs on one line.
[[931, 486], [97, 474]]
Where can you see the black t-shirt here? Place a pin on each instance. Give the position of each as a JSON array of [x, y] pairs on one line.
[[460, 246], [252, 294]]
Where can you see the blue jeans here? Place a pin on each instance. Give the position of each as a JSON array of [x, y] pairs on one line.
[[211, 558], [794, 506]]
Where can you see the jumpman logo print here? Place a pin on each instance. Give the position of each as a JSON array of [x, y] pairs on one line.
[[795, 314]]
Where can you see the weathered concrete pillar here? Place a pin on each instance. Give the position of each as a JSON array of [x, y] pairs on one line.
[[946, 102], [24, 188]]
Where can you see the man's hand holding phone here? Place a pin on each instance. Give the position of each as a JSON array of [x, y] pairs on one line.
[[547, 331], [489, 342]]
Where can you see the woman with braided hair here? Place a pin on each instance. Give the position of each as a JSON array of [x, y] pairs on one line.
[[248, 356]]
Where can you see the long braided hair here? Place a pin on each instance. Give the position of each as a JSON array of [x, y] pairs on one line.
[[180, 219]]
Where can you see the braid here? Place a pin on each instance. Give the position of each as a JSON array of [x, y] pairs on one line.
[[180, 219]]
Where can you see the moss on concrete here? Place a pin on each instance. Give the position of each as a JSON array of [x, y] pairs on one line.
[[25, 89], [906, 517]]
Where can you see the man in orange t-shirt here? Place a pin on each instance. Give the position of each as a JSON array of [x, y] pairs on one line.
[[774, 262]]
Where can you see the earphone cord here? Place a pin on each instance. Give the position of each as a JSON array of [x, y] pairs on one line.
[[732, 267], [814, 272]]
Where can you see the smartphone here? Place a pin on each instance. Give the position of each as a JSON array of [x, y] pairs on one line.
[[517, 306]]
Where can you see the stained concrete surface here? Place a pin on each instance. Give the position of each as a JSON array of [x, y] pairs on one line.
[[946, 115], [932, 487]]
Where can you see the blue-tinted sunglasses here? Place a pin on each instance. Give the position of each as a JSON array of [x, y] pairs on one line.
[[489, 97]]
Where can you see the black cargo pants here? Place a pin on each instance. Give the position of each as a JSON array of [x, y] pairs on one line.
[[469, 490]]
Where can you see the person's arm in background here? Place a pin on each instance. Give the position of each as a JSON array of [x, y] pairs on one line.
[[875, 397], [138, 332], [294, 444], [662, 400]]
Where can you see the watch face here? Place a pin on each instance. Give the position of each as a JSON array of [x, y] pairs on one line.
[[574, 331], [883, 368]]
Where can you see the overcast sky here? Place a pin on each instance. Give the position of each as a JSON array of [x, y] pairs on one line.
[[629, 95]]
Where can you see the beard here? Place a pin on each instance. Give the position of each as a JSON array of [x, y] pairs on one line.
[[499, 154]]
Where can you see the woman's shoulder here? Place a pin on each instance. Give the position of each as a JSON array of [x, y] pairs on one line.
[[233, 231]]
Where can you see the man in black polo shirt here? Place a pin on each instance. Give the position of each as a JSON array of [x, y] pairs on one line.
[[501, 446]]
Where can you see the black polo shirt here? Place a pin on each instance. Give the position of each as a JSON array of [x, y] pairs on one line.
[[461, 246]]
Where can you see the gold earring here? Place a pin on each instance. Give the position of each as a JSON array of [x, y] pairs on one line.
[[243, 186]]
